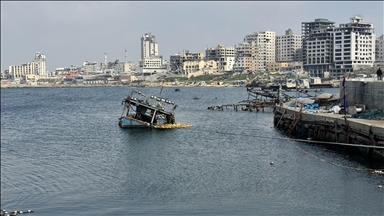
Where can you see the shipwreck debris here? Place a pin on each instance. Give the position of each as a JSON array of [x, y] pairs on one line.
[[259, 99], [140, 111]]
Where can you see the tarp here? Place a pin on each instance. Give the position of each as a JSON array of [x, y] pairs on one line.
[[305, 100], [324, 96], [335, 109]]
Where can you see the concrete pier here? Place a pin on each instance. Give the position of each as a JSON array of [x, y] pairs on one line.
[[332, 128]]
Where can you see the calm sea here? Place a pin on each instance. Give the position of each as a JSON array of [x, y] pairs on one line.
[[63, 153]]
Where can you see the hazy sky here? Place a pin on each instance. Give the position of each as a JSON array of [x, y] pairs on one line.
[[72, 32]]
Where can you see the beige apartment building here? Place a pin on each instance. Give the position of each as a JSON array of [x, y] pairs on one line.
[[288, 47], [203, 66], [246, 58], [277, 66], [177, 61], [193, 66]]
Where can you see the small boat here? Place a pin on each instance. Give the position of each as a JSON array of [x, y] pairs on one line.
[[146, 112], [195, 98], [177, 89]]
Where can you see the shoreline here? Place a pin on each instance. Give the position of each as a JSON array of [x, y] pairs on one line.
[[5, 86]]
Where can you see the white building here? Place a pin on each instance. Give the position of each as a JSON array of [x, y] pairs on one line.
[[338, 50], [353, 46], [265, 43], [67, 70], [379, 52], [123, 67], [90, 67], [41, 68], [223, 55], [153, 65], [288, 47], [149, 46], [151, 62], [36, 67], [246, 58], [4, 74], [239, 64]]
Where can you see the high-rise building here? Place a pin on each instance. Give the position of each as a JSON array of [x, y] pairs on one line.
[[315, 35], [353, 46], [41, 68], [149, 46], [265, 46], [338, 50], [319, 52], [379, 52], [151, 62], [288, 47]]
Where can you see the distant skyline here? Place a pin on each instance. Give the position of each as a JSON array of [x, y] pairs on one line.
[[72, 32]]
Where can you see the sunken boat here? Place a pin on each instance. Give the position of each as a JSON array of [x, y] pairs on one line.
[[140, 111]]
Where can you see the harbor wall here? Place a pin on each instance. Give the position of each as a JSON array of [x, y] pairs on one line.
[[329, 127], [371, 94]]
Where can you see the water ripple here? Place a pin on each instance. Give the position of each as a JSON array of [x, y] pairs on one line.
[[62, 153]]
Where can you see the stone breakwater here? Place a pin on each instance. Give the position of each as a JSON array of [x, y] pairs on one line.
[[332, 128]]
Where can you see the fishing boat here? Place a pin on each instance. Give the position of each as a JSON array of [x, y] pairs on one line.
[[140, 111]]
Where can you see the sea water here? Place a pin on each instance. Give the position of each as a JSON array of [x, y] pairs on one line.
[[63, 153]]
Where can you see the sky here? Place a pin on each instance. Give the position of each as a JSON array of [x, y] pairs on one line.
[[71, 32]]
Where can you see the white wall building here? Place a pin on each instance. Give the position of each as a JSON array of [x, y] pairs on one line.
[[41, 68], [122, 67], [151, 62], [90, 67], [152, 65], [149, 46], [338, 50], [36, 67], [265, 43], [246, 58], [288, 47], [353, 46], [67, 70], [240, 59], [223, 55]]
